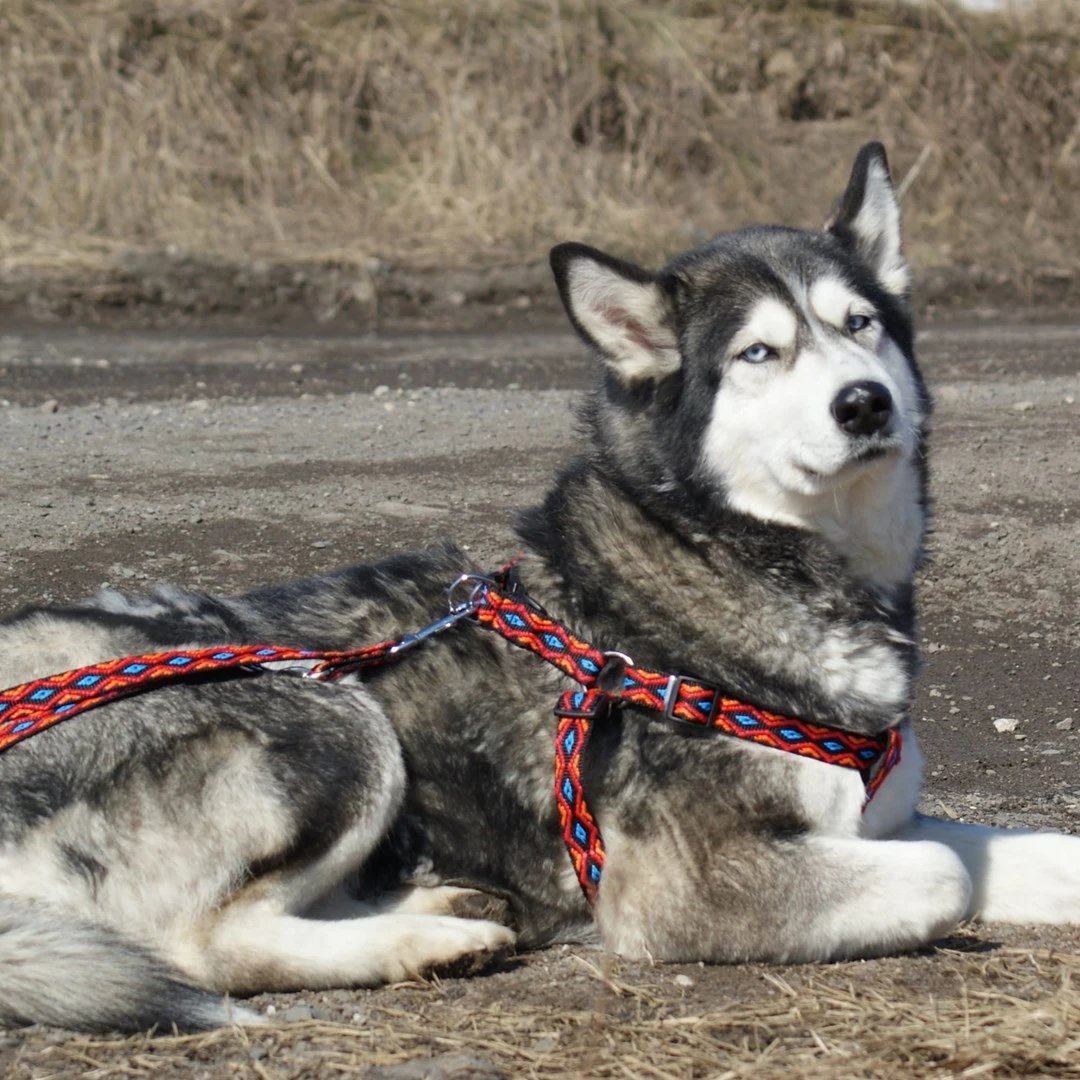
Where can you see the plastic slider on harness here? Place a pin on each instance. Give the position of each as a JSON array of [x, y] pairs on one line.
[[697, 729]]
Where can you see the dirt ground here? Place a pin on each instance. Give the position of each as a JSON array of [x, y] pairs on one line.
[[230, 459]]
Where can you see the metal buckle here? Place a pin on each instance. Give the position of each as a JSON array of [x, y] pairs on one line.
[[480, 585], [671, 697], [611, 678]]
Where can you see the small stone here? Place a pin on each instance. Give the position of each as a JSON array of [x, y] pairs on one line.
[[683, 980], [298, 1012], [50, 406], [1065, 725], [1005, 724], [381, 391], [1023, 406], [321, 544], [42, 501]]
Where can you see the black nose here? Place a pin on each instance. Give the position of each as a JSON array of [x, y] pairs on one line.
[[862, 408]]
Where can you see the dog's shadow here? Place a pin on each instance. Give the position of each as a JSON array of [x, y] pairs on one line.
[[962, 943]]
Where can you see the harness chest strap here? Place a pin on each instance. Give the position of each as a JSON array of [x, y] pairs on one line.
[[691, 704], [694, 706]]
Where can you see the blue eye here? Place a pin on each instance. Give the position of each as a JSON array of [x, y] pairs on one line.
[[856, 323], [756, 353]]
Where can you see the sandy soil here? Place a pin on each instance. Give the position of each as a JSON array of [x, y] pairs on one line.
[[226, 460]]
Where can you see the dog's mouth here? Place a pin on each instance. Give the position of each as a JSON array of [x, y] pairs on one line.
[[866, 454], [874, 452]]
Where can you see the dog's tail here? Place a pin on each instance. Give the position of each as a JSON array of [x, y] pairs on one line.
[[59, 971]]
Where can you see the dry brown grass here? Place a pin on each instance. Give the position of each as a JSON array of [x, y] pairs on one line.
[[475, 132], [1011, 1014]]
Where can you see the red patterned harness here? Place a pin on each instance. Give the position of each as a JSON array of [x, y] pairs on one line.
[[606, 679]]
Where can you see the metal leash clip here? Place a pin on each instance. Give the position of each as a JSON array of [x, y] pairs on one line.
[[459, 609]]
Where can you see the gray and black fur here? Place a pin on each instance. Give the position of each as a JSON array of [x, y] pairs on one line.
[[270, 833]]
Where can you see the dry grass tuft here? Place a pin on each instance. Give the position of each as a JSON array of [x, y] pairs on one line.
[[1013, 1013], [475, 132]]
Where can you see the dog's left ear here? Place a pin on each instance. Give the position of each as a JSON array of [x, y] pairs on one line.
[[868, 219], [620, 310]]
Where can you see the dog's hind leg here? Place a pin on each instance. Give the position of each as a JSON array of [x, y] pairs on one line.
[[272, 936], [810, 898], [265, 939], [1017, 875], [255, 948]]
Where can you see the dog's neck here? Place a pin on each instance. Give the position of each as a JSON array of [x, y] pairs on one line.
[[710, 603]]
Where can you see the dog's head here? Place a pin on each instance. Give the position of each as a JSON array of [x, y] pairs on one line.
[[769, 372]]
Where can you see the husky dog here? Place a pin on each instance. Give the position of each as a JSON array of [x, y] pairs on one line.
[[750, 506]]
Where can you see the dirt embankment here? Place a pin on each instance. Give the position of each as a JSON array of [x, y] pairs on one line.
[[367, 164]]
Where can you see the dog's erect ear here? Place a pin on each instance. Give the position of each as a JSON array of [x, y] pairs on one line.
[[619, 309], [868, 219]]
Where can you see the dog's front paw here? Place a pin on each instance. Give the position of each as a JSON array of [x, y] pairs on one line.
[[1030, 878]]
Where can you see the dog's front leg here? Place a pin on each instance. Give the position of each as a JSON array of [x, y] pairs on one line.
[[1017, 875], [808, 898]]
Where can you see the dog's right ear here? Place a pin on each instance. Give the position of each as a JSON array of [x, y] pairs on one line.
[[868, 219], [619, 309]]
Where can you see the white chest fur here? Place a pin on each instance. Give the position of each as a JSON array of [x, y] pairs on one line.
[[832, 798]]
